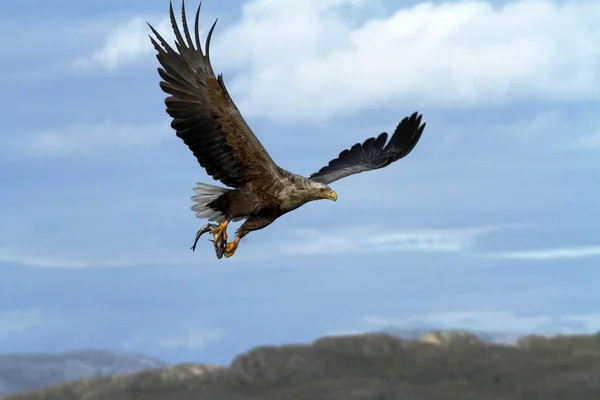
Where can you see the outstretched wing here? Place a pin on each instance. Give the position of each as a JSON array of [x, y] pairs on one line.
[[204, 115], [373, 153]]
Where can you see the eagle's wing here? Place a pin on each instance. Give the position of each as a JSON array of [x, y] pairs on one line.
[[373, 153], [204, 115]]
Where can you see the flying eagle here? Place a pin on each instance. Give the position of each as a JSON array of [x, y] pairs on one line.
[[258, 190]]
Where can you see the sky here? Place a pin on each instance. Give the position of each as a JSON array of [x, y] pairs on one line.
[[491, 223]]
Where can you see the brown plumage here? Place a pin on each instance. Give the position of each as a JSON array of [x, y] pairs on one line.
[[259, 191]]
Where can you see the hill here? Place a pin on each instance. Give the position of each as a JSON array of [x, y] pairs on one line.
[[25, 372], [440, 365]]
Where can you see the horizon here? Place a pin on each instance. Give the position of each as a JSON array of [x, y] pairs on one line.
[[413, 333]]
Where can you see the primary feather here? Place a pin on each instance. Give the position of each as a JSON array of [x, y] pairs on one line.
[[204, 115], [373, 153]]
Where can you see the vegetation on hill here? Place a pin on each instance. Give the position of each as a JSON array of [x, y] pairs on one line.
[[375, 366]]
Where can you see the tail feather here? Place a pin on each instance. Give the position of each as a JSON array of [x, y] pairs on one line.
[[205, 194]]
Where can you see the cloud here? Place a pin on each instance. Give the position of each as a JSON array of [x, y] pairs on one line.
[[14, 322], [531, 129], [33, 53], [193, 339], [496, 320], [307, 58], [481, 320], [308, 242], [550, 254], [12, 256], [345, 332], [354, 240], [134, 341], [124, 44], [590, 322], [96, 42], [543, 131], [588, 142], [83, 139], [301, 243]]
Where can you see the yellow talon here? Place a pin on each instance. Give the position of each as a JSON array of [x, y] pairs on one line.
[[220, 232], [231, 247]]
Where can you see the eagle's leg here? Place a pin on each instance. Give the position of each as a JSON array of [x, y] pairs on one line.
[[206, 228], [231, 247], [253, 223], [220, 237]]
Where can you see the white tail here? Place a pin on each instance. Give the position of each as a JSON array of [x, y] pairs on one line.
[[206, 193]]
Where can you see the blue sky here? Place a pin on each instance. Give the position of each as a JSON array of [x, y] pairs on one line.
[[490, 223]]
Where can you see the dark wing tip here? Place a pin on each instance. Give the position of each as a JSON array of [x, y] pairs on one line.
[[196, 24], [208, 39], [406, 136], [186, 51], [186, 30], [374, 152]]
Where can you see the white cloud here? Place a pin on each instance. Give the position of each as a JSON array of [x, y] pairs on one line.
[[323, 62], [533, 128], [83, 139], [588, 142], [124, 44], [498, 321], [14, 322], [314, 58], [304, 58], [13, 256], [480, 320], [544, 131], [34, 54], [193, 339], [134, 341], [590, 322], [374, 239], [345, 332], [301, 242], [307, 242], [101, 42], [550, 254]]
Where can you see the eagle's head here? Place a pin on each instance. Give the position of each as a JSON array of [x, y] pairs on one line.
[[320, 191], [323, 191], [304, 190]]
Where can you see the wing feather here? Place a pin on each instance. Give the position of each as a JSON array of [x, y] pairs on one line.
[[373, 153], [203, 114]]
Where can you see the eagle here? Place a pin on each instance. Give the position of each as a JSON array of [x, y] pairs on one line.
[[257, 191]]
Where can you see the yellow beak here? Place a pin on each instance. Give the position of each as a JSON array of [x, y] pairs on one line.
[[331, 195]]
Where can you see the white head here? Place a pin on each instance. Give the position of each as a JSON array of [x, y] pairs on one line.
[[302, 191], [321, 191]]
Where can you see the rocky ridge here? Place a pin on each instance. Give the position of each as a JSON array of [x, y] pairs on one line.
[[440, 366]]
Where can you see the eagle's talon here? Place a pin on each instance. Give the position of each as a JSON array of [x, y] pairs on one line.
[[231, 247], [207, 228]]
